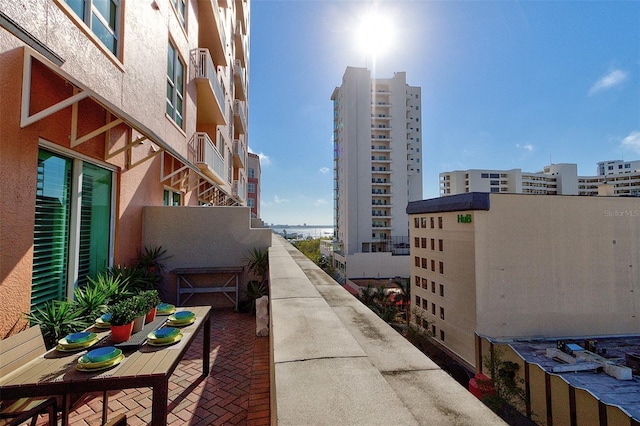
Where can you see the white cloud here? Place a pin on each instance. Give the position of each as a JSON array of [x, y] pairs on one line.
[[632, 141], [526, 147], [279, 200], [320, 202], [324, 170], [608, 81]]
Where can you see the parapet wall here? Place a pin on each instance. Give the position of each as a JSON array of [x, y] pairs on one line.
[[336, 362]]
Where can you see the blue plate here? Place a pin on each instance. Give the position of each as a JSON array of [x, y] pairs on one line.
[[80, 337], [183, 315], [106, 317], [165, 332], [103, 354]]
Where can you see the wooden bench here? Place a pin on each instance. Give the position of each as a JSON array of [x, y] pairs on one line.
[[185, 285], [16, 351]]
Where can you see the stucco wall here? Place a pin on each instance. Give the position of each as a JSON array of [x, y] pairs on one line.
[[558, 266], [374, 265], [201, 237]]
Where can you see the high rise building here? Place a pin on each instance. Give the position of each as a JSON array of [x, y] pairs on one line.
[[107, 108], [253, 184], [378, 170]]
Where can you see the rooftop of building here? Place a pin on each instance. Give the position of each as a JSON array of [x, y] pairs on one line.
[[621, 393]]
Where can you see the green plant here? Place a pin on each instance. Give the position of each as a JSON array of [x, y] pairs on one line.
[[151, 299], [57, 319], [124, 312], [91, 299], [258, 263], [505, 391], [152, 259], [114, 285], [136, 278], [254, 291]]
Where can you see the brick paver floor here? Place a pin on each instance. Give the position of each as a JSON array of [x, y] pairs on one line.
[[236, 392]]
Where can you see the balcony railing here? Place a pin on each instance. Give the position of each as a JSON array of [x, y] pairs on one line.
[[239, 80], [210, 89], [212, 34], [239, 116], [239, 153], [242, 47], [208, 158], [239, 189]]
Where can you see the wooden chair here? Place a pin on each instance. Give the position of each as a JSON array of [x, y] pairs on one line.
[[16, 351]]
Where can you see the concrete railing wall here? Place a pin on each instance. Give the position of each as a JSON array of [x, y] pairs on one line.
[[336, 362]]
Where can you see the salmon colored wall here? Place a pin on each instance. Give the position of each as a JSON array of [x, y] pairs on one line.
[[17, 189]]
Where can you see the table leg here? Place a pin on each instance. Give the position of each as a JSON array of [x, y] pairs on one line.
[[159, 402], [65, 410], [206, 347]]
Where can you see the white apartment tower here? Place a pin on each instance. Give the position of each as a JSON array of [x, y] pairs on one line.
[[377, 171]]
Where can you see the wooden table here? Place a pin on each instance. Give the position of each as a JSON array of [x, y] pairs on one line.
[[184, 275], [54, 373]]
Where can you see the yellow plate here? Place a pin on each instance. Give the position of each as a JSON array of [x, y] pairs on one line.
[[110, 363], [181, 323], [63, 346], [87, 365], [174, 339], [101, 324]]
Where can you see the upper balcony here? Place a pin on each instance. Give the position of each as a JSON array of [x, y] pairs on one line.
[[208, 158], [241, 43], [239, 153], [212, 35], [239, 80], [239, 117], [210, 89]]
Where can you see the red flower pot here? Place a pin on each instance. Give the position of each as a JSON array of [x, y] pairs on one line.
[[121, 333], [151, 315]]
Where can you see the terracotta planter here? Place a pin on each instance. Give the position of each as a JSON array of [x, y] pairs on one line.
[[121, 333], [151, 315], [138, 324]]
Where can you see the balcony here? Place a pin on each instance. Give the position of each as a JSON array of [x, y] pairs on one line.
[[208, 158], [239, 117], [210, 90], [212, 35], [241, 42], [239, 189], [239, 153], [239, 80]]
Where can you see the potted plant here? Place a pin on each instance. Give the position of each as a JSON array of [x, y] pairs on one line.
[[152, 300], [122, 315], [139, 305]]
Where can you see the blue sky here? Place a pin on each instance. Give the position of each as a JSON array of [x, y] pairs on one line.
[[505, 84]]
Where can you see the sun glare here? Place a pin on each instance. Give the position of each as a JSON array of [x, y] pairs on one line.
[[375, 34]]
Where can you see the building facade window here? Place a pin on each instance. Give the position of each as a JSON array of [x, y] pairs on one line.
[[416, 261], [103, 19], [441, 290], [442, 335], [251, 173], [73, 225], [251, 202], [432, 223], [172, 198], [417, 300], [181, 10], [441, 267], [440, 245], [416, 242], [175, 86], [424, 243], [433, 286], [441, 313], [439, 222], [416, 222], [424, 283], [251, 188]]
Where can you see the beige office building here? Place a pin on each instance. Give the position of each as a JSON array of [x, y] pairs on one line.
[[515, 266], [377, 171]]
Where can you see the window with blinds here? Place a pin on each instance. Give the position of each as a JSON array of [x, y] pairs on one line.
[[55, 225]]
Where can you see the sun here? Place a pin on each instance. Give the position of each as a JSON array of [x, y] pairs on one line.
[[375, 34]]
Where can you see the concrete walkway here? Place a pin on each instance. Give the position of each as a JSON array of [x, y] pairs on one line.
[[235, 393]]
